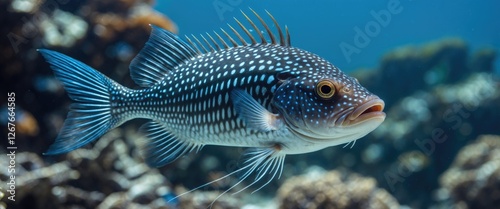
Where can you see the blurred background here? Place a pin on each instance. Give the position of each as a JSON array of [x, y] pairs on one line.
[[433, 63], [321, 26]]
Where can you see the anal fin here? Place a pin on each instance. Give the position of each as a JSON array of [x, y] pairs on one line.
[[163, 146]]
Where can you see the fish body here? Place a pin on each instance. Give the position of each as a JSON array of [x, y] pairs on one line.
[[269, 96]]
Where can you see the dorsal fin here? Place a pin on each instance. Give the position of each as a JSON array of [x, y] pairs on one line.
[[238, 35], [273, 40], [246, 31], [192, 44], [288, 41], [221, 40], [160, 55], [230, 38], [200, 44], [257, 30], [284, 39], [208, 43], [217, 47]]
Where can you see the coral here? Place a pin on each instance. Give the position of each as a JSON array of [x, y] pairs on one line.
[[103, 177], [62, 29], [3, 205], [110, 175], [333, 190], [483, 60], [431, 125], [202, 200], [410, 68], [473, 180], [104, 34], [478, 93]]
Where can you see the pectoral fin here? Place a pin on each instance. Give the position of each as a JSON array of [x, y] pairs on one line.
[[254, 114]]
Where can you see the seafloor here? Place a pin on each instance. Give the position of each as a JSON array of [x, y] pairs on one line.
[[438, 148]]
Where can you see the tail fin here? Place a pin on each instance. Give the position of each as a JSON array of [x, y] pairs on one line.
[[90, 116]]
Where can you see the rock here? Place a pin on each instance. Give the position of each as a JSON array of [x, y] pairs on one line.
[[482, 60], [105, 176], [103, 34], [410, 68], [473, 180], [333, 190], [208, 199]]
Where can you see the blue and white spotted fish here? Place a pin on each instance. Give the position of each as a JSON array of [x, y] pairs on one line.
[[269, 96]]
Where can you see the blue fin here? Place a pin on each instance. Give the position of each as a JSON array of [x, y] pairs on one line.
[[161, 54], [164, 147], [254, 114], [90, 116]]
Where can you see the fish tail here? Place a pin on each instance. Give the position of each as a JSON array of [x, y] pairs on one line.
[[90, 115]]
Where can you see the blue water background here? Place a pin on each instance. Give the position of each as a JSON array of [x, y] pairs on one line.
[[321, 26]]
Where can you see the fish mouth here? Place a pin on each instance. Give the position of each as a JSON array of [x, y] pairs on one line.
[[370, 110], [345, 124]]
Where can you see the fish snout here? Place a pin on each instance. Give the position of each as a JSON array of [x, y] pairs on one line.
[[372, 109]]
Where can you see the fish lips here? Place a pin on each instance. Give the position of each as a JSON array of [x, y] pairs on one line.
[[369, 111]]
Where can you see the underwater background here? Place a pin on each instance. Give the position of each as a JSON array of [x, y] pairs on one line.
[[434, 63]]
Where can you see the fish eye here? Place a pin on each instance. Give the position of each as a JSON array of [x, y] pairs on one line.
[[325, 89]]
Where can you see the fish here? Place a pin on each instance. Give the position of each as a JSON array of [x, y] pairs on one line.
[[262, 94]]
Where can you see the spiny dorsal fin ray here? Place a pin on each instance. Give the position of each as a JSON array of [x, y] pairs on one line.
[[246, 31], [271, 36], [221, 40], [257, 30], [289, 43], [284, 39], [200, 44], [192, 44], [242, 40], [161, 54], [230, 38], [213, 41], [208, 44]]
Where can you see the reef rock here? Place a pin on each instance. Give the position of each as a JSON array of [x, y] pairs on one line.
[[333, 190], [208, 199], [473, 180], [106, 176], [410, 68], [103, 34]]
